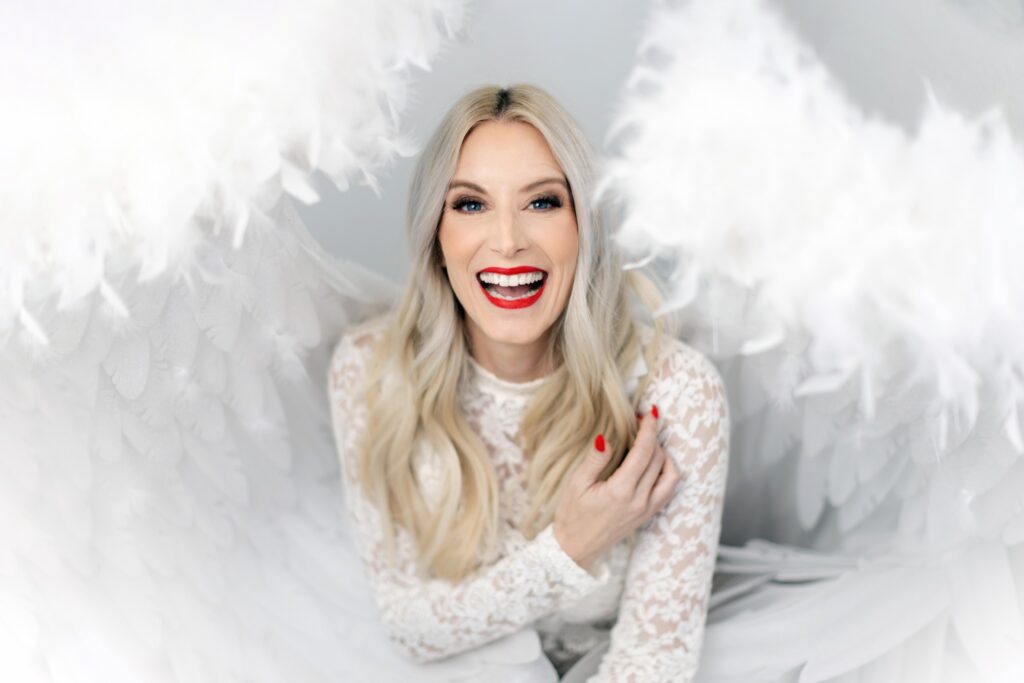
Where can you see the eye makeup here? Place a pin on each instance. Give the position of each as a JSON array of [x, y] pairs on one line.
[[553, 200]]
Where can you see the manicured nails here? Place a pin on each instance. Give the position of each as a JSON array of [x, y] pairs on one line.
[[599, 443], [654, 412]]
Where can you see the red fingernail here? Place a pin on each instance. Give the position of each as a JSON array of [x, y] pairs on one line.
[[599, 442], [654, 411], [639, 416]]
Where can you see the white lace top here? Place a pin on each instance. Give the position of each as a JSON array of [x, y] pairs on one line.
[[651, 603]]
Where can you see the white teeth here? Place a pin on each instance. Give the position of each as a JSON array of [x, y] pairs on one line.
[[511, 280]]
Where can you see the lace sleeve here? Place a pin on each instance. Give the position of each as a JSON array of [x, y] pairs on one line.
[[429, 619], [660, 628]]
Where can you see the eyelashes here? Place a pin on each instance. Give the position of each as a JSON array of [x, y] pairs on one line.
[[552, 200], [463, 201]]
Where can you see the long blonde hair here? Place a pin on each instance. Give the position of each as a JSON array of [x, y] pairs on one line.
[[412, 379]]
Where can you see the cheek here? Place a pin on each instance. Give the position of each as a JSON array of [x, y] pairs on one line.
[[443, 239], [567, 246], [456, 251], [449, 246]]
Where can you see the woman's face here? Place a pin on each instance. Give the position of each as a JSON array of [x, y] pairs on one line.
[[508, 209]]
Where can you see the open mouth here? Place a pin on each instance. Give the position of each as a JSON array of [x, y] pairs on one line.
[[512, 291]]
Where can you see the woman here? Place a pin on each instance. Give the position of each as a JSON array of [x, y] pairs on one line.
[[517, 446]]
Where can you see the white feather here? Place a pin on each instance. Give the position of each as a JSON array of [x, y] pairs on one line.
[[170, 500], [883, 423]]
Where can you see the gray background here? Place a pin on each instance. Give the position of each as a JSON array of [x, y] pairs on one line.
[[971, 52]]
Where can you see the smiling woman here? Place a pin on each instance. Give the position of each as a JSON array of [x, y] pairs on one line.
[[521, 210], [504, 461]]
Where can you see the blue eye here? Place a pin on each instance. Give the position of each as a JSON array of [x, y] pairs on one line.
[[552, 201], [475, 206], [461, 202]]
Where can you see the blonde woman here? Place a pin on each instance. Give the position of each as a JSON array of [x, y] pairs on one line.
[[521, 442]]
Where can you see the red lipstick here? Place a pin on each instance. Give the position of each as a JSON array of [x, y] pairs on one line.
[[512, 271], [514, 303]]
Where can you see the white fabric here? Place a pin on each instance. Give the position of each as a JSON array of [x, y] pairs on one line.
[[651, 603]]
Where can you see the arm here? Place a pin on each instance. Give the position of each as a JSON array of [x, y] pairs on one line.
[[431, 619], [660, 629]]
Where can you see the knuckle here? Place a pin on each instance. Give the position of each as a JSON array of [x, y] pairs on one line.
[[662, 499], [670, 488], [620, 493]]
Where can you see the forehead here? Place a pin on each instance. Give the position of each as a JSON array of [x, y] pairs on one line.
[[505, 149]]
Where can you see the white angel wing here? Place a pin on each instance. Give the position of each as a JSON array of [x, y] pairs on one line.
[[172, 495], [170, 500], [858, 288], [130, 132]]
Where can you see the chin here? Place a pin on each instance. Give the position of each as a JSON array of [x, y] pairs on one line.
[[511, 331]]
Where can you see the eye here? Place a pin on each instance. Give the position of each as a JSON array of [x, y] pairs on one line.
[[470, 202], [552, 201]]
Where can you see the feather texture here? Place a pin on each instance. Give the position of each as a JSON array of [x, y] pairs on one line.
[[858, 286], [170, 500]]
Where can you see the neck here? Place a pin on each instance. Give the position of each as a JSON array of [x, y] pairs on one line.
[[509, 361]]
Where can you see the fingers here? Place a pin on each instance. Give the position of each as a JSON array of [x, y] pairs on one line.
[[636, 461], [666, 485], [592, 466], [650, 475]]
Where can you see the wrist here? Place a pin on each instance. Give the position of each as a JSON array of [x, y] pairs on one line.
[[581, 559]]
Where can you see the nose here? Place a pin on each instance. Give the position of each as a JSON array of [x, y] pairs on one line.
[[507, 235]]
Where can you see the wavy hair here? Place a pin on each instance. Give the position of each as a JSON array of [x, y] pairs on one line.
[[412, 379]]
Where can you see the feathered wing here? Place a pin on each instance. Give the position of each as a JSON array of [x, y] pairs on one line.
[[169, 485], [857, 286]]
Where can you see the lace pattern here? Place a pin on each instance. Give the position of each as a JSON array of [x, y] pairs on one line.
[[652, 603], [660, 627]]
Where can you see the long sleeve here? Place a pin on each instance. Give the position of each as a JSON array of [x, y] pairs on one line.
[[660, 628], [430, 619]]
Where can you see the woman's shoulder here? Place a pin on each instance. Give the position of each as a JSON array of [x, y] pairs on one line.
[[678, 365], [361, 337], [352, 351]]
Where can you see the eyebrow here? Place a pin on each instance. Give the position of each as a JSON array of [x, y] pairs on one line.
[[527, 188]]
